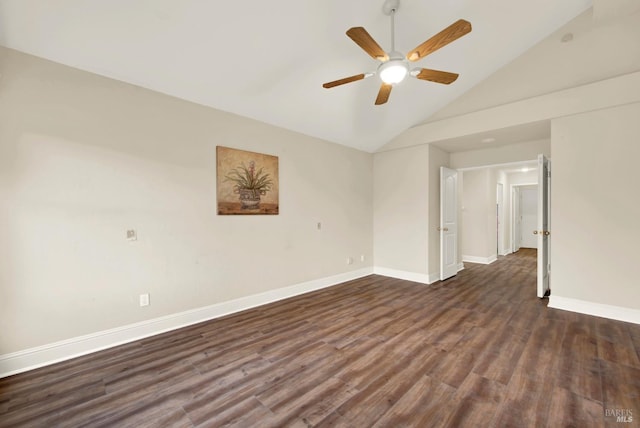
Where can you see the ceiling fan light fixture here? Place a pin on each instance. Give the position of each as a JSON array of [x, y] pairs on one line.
[[394, 65], [393, 71]]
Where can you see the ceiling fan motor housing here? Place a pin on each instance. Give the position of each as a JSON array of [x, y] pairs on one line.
[[390, 6]]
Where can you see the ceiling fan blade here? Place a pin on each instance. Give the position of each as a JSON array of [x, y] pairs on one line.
[[366, 42], [383, 94], [437, 76], [443, 38], [343, 81]]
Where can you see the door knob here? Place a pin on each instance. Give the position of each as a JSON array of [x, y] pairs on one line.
[[445, 229]]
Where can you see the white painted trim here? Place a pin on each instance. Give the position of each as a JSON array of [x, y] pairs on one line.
[[513, 164], [596, 309], [481, 260], [460, 266], [401, 274], [28, 359]]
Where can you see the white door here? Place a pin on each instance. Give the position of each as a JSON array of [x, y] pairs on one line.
[[544, 182], [448, 223]]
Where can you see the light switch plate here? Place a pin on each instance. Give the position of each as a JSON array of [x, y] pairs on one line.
[[144, 299]]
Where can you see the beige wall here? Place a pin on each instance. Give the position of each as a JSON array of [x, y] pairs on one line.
[[517, 152], [479, 230], [401, 209], [595, 206], [529, 177], [407, 211], [84, 158]]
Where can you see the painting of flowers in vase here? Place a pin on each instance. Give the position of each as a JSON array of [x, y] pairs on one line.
[[247, 182]]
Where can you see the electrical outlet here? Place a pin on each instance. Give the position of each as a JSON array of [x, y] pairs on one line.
[[132, 235], [144, 299], [362, 257], [349, 260], [319, 226]]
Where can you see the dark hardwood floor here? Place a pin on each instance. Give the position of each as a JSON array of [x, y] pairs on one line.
[[478, 350]]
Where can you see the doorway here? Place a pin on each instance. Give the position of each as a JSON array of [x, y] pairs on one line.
[[484, 196], [487, 193], [524, 216]]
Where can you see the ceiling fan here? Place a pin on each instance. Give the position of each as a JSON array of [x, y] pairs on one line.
[[394, 65]]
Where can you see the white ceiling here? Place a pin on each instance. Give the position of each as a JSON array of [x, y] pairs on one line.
[[268, 60]]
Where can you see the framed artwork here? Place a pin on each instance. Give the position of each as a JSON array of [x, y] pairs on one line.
[[247, 182]]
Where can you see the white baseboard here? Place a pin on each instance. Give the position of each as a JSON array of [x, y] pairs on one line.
[[401, 274], [412, 276], [21, 361], [481, 260], [596, 309]]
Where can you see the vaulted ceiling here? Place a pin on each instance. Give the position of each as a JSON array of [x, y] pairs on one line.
[[268, 60]]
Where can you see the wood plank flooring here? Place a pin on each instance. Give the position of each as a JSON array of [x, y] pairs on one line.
[[478, 350]]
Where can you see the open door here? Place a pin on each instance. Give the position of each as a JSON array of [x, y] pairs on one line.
[[448, 223], [544, 179]]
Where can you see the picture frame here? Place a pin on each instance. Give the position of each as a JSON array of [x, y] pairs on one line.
[[247, 182]]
